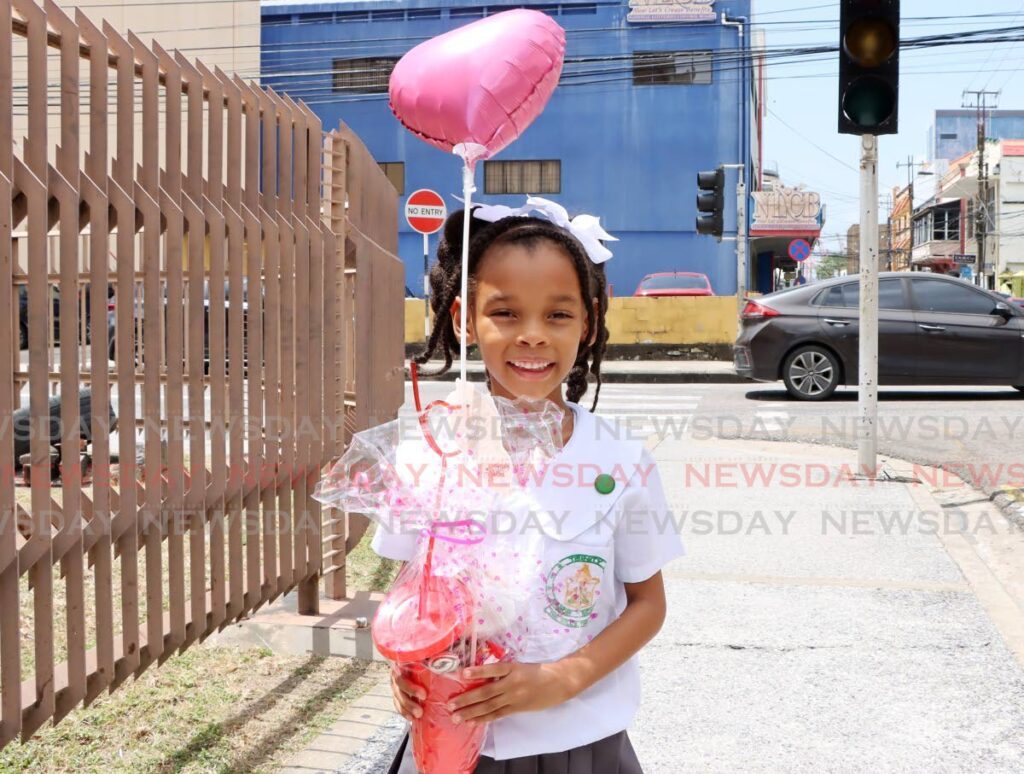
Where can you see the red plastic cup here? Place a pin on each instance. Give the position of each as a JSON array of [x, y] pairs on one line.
[[438, 745], [427, 650]]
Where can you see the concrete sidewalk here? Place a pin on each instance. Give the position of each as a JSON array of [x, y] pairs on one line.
[[854, 638], [815, 624], [629, 371]]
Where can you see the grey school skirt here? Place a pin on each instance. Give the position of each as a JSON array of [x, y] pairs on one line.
[[612, 755]]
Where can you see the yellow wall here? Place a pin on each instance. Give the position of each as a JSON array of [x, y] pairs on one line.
[[699, 320], [414, 321], [703, 320]]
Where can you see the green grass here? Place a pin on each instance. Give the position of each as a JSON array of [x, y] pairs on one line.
[[210, 709], [365, 571]]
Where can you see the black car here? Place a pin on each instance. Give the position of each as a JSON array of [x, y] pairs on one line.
[[84, 297], [932, 330], [139, 321]]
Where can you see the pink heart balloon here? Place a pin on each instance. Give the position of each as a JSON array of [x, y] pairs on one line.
[[483, 83]]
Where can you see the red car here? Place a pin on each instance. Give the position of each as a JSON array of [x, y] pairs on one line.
[[675, 283]]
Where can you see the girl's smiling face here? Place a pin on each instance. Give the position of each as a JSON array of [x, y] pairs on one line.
[[527, 317]]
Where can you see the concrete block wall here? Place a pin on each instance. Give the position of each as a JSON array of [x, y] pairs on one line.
[[698, 320]]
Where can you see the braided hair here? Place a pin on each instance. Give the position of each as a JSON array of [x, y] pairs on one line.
[[446, 282]]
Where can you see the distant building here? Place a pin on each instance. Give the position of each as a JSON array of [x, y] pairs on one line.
[[782, 215], [651, 93], [955, 132], [901, 230], [945, 222], [853, 248], [227, 35]]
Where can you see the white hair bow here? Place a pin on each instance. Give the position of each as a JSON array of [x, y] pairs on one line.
[[586, 228]]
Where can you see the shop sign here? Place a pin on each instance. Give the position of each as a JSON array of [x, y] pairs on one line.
[[671, 10], [787, 209]]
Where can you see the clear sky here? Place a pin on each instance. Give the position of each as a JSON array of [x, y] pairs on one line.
[[803, 94]]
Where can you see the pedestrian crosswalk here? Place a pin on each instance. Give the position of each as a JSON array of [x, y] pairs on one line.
[[638, 412], [627, 411], [771, 418]]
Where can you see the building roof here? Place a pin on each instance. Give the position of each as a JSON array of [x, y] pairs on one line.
[[972, 112]]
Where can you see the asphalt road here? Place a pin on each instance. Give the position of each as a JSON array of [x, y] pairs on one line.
[[976, 433]]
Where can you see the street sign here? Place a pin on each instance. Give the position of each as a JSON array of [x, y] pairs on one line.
[[425, 211], [799, 250], [964, 260]]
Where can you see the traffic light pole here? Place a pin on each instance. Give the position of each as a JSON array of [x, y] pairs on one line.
[[867, 395], [741, 232]]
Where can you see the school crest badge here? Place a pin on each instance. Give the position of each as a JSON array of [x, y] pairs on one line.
[[572, 589]]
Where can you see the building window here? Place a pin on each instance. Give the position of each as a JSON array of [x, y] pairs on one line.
[[476, 12], [947, 135], [522, 177], [654, 68], [425, 13], [368, 75], [923, 229], [947, 225], [940, 225]]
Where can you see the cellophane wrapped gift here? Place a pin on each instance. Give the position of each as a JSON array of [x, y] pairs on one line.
[[443, 478]]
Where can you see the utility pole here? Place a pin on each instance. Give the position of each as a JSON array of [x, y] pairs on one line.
[[980, 100]]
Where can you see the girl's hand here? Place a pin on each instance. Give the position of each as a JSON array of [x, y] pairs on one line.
[[407, 696], [515, 688]]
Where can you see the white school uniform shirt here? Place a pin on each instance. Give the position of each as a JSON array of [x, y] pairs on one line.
[[593, 544]]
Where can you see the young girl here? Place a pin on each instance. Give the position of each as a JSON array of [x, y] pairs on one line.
[[537, 304]]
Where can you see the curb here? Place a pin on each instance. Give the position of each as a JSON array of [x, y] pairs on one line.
[[362, 741], [1011, 506]]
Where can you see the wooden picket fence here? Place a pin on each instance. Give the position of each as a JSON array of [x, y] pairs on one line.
[[228, 257]]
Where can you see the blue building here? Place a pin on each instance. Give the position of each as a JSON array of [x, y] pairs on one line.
[[650, 94], [955, 132]]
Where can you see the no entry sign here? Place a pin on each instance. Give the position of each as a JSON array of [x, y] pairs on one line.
[[425, 211]]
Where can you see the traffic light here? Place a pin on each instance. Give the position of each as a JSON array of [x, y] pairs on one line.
[[869, 66], [711, 202]]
